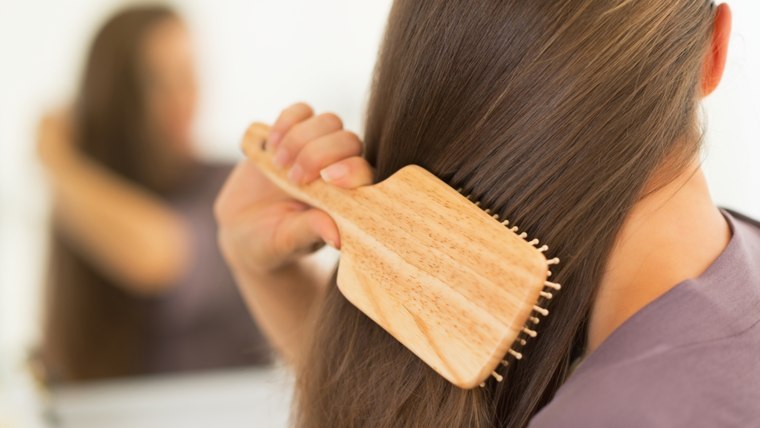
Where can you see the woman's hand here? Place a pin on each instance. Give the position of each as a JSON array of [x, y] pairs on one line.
[[55, 140], [261, 228], [265, 234]]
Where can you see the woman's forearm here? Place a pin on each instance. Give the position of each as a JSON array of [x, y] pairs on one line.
[[283, 301], [128, 233]]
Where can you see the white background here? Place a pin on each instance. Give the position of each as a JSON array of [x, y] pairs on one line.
[[255, 58]]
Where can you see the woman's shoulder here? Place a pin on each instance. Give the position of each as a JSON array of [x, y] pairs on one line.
[[715, 384], [203, 181], [216, 171], [687, 359], [746, 225]]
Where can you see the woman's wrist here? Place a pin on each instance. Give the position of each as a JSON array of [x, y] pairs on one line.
[[303, 272], [263, 274], [66, 164]]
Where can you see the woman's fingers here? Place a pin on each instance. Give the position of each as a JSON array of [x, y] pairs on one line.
[[289, 117], [302, 133], [262, 227], [317, 154], [349, 173]]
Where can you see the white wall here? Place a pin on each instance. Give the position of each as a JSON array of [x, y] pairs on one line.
[[257, 57], [733, 140]]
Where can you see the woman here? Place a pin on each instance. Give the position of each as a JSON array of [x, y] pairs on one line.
[[137, 284], [578, 120]]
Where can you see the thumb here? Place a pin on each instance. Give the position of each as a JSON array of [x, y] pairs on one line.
[[303, 231]]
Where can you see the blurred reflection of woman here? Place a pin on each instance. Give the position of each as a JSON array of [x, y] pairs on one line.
[[137, 284]]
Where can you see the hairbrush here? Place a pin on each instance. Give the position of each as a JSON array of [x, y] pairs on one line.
[[458, 286]]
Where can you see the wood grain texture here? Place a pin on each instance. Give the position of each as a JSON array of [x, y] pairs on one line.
[[447, 280]]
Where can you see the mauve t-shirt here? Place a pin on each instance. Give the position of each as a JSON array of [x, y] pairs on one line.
[[691, 358], [203, 322]]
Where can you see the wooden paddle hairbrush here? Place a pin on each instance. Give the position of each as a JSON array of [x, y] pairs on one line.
[[444, 277]]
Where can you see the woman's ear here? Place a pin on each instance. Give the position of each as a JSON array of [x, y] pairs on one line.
[[715, 61]]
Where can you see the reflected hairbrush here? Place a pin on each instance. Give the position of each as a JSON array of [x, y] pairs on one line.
[[455, 284]]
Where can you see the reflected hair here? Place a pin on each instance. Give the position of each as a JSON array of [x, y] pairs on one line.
[[555, 114], [94, 328]]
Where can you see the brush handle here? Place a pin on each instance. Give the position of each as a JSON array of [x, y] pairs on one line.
[[444, 277], [332, 199]]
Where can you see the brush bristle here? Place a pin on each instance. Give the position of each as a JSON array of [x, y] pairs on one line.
[[550, 289]]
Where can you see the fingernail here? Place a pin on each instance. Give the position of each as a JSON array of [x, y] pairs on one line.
[[274, 139], [295, 174], [281, 157], [334, 172]]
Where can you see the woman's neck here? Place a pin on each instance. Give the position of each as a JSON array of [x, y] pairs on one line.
[[673, 234]]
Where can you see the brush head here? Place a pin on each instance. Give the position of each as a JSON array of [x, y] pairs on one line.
[[448, 280]]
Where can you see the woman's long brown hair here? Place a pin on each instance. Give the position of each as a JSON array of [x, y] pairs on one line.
[[553, 113], [94, 328]]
